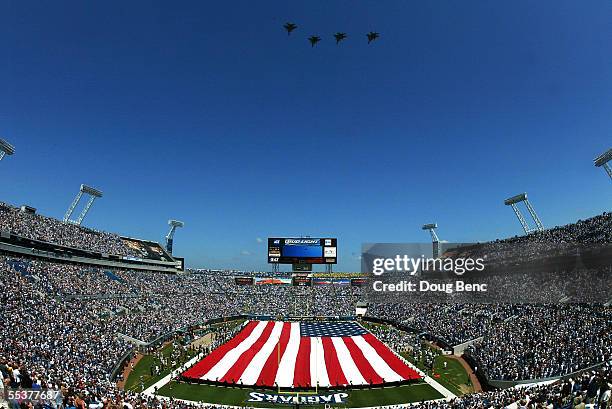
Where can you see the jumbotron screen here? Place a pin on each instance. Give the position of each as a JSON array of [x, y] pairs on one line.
[[302, 250]]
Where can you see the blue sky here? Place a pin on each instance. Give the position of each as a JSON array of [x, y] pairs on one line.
[[208, 112]]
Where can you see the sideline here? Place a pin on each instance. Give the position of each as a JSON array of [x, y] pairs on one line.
[[447, 395], [175, 372], [128, 370], [208, 405], [473, 378], [428, 379]]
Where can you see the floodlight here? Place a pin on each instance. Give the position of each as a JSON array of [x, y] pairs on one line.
[[515, 199], [87, 190], [602, 161], [91, 191], [522, 197], [435, 241], [174, 224], [603, 158], [6, 147]]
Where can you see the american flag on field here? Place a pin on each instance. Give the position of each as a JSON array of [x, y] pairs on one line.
[[292, 354]]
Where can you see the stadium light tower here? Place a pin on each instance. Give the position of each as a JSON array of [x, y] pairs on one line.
[[5, 148], [513, 201], [435, 242], [93, 194], [170, 236], [602, 161]]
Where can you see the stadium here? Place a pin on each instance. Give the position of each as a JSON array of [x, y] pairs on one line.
[[270, 338], [101, 309]]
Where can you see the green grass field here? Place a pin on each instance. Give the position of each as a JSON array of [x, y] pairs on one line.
[[453, 377], [357, 398], [141, 374], [142, 370]]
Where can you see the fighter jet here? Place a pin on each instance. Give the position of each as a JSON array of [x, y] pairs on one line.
[[313, 40], [372, 36], [290, 27], [339, 37]]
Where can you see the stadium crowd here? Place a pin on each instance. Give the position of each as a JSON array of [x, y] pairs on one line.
[[519, 341], [66, 326], [46, 342], [544, 342], [397, 340], [592, 388], [38, 227], [443, 320], [597, 229], [593, 233]]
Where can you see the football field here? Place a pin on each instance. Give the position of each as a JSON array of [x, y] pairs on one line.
[[256, 347], [302, 355], [356, 398]]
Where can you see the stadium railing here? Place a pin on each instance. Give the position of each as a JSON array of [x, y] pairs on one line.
[[42, 250], [490, 384], [507, 384]]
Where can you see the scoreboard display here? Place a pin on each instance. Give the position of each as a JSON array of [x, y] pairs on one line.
[[359, 282], [302, 280], [243, 280], [302, 250]]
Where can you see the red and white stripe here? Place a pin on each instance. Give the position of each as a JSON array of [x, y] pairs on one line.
[[269, 353]]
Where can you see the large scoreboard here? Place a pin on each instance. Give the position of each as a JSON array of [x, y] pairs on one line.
[[302, 250]]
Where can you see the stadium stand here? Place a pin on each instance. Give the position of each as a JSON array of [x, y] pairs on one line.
[[37, 227], [592, 388], [537, 343], [62, 321]]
